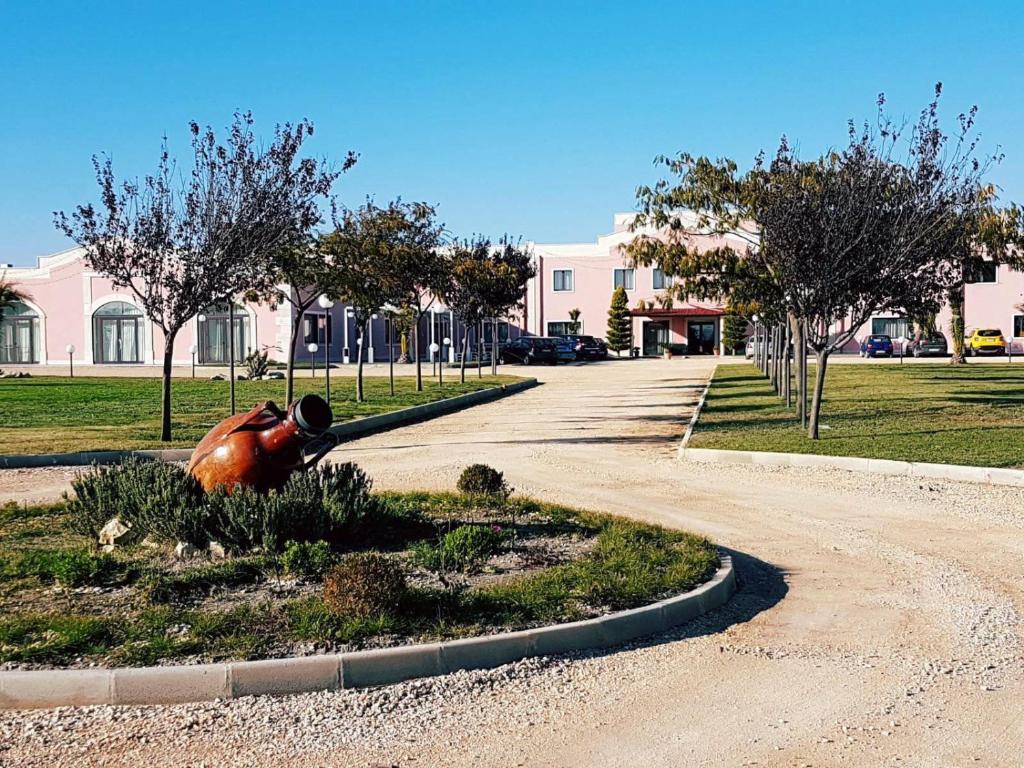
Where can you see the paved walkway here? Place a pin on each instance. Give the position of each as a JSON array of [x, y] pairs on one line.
[[878, 621]]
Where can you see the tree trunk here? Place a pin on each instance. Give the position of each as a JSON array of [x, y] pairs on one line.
[[773, 358], [786, 368], [165, 391], [416, 352], [494, 348], [796, 332], [289, 386], [819, 387], [465, 350], [803, 374], [359, 363], [956, 325], [231, 352], [480, 350]]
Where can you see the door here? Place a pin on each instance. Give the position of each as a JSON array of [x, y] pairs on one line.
[[700, 337], [655, 337]]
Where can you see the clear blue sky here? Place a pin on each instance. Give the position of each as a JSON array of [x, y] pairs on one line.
[[535, 118]]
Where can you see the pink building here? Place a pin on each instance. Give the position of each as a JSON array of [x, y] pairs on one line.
[[69, 305], [584, 275]]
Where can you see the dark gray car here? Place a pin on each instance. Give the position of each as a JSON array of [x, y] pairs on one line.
[[932, 345]]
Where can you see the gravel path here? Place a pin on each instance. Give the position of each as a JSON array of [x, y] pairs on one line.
[[878, 621]]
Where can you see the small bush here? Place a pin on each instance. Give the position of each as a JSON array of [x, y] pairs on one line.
[[307, 560], [153, 498], [465, 549], [365, 584], [256, 364], [482, 480], [327, 503]]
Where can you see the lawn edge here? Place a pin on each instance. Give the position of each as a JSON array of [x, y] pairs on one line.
[[348, 430], [356, 669], [955, 472]]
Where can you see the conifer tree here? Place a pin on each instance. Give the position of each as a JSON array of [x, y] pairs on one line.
[[620, 322]]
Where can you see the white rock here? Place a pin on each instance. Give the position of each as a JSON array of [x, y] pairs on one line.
[[184, 550], [111, 532]]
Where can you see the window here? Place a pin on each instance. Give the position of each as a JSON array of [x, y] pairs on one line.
[[985, 272], [18, 331], [625, 279], [1018, 325], [214, 340], [660, 280], [562, 279], [894, 327], [117, 333], [317, 327], [489, 331], [561, 328]]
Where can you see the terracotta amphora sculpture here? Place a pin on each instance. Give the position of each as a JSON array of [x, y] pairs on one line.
[[263, 447]]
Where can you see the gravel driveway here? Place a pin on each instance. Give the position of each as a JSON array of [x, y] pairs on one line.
[[878, 621]]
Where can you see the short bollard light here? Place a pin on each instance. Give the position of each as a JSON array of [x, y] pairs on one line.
[[70, 349], [312, 348], [192, 349]]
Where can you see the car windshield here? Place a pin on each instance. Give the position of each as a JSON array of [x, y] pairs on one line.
[[544, 343], [936, 338], [990, 332], [879, 339]]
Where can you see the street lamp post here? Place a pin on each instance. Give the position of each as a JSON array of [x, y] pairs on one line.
[[70, 349], [389, 317], [434, 347], [349, 313], [446, 342], [312, 347], [757, 341], [325, 303], [192, 349]]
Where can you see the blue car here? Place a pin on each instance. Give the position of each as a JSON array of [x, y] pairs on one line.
[[876, 345]]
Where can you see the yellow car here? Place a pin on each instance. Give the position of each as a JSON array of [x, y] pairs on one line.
[[986, 341]]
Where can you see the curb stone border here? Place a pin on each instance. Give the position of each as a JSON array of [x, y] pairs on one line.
[[39, 689], [954, 472], [347, 430], [695, 417]]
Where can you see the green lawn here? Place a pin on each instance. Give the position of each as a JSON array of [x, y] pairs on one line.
[[940, 413], [54, 414]]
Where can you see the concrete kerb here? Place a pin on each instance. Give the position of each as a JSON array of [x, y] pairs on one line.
[[345, 431], [953, 472], [205, 682], [694, 418]]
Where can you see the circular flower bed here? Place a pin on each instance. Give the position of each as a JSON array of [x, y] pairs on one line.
[[323, 566]]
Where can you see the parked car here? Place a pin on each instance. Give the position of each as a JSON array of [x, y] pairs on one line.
[[566, 350], [876, 345], [531, 350], [750, 349], [932, 344], [587, 347], [986, 341]]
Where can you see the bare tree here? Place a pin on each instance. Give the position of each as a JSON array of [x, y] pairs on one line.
[[179, 242]]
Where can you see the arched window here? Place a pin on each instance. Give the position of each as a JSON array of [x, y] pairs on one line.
[[214, 342], [19, 330], [117, 333]]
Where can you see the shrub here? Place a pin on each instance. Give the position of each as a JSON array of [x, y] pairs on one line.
[[365, 584], [153, 498], [308, 560], [256, 364], [326, 502], [464, 549], [482, 480]]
